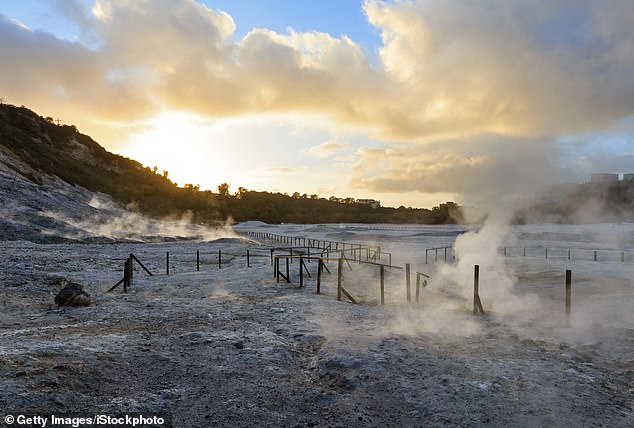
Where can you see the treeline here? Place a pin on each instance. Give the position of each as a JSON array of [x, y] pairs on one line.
[[45, 148], [281, 208]]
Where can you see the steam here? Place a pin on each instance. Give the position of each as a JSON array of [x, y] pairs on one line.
[[112, 222]]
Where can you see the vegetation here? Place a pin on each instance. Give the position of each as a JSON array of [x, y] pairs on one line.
[[61, 150]]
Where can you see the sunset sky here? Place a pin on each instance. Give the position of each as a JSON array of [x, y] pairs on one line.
[[411, 102]]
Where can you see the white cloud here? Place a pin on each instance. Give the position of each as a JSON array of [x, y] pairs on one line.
[[453, 76], [326, 149]]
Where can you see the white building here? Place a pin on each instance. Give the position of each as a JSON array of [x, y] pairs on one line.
[[372, 202]]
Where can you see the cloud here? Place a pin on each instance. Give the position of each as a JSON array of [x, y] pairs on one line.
[[488, 166], [459, 86], [326, 149], [446, 68]]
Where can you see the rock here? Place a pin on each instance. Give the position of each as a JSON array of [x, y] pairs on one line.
[[73, 295]]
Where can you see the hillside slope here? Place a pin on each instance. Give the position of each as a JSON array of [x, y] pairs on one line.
[[59, 185], [38, 152]]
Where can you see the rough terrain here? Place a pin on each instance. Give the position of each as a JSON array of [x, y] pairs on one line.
[[231, 347]]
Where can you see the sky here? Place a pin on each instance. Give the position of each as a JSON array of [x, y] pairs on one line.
[[411, 102]]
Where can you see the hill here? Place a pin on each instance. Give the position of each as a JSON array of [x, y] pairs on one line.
[[51, 172]]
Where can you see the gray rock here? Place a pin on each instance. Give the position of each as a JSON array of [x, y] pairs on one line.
[[73, 295]]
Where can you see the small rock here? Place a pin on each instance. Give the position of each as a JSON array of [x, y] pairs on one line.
[[73, 295], [277, 310]]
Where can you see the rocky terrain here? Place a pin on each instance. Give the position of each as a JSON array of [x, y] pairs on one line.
[[231, 347]]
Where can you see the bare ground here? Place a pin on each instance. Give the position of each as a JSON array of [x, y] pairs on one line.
[[231, 347]]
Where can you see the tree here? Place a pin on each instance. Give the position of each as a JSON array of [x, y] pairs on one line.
[[223, 189], [241, 192]]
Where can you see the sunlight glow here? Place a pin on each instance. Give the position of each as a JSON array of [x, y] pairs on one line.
[[189, 147]]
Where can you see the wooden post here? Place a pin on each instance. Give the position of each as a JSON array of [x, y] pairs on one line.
[[288, 275], [595, 255], [568, 295], [426, 251], [248, 259], [477, 304], [524, 251], [408, 282], [382, 284], [320, 265], [135, 259], [339, 277], [504, 251], [622, 257], [167, 263], [197, 260], [568, 253], [219, 259], [436, 256], [272, 249], [276, 265], [131, 268], [417, 287], [546, 252], [445, 254], [301, 271], [126, 275]]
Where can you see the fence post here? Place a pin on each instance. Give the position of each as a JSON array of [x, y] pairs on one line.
[[382, 284], [219, 259], [248, 259], [568, 295], [417, 287], [131, 268], [595, 255], [320, 266], [477, 304], [301, 271], [167, 263], [408, 282], [197, 260], [339, 277], [126, 275]]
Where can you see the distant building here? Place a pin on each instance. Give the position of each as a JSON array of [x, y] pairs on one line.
[[604, 178], [372, 202], [628, 177]]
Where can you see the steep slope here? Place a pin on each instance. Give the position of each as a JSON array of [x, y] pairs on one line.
[[36, 148], [58, 185]]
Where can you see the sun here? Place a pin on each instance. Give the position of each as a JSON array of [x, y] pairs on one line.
[[184, 145]]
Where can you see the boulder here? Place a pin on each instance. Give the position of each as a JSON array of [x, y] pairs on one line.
[[73, 295]]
